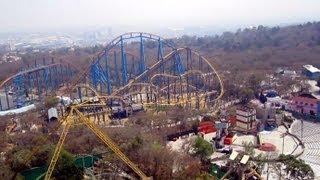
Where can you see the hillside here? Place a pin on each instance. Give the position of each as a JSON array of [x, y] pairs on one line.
[[261, 48], [252, 50]]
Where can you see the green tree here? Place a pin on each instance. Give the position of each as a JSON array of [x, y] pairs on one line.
[[50, 102], [296, 168], [263, 99], [208, 118], [202, 148], [65, 168], [254, 83], [246, 94], [17, 160], [42, 155]]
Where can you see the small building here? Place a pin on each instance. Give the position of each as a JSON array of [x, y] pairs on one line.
[[279, 71], [246, 118], [266, 111], [311, 72], [290, 73], [306, 104], [52, 114], [206, 127], [268, 117]]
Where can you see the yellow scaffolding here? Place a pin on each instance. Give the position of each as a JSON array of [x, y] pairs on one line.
[[107, 141]]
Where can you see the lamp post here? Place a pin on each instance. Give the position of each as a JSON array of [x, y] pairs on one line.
[[302, 119]]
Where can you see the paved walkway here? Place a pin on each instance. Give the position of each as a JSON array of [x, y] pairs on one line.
[[310, 136]]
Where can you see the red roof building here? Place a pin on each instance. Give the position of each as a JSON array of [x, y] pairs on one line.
[[206, 127]]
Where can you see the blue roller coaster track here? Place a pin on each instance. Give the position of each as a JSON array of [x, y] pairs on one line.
[[33, 83], [133, 64], [113, 75]]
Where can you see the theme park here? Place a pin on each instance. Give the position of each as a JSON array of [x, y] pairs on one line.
[[147, 86], [208, 90]]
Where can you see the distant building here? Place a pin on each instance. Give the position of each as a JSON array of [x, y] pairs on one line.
[[290, 73], [279, 71], [266, 112], [311, 72], [246, 119], [286, 72], [268, 117], [306, 104]]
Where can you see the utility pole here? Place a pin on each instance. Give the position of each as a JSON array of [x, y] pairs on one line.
[[302, 127], [283, 135], [268, 167]]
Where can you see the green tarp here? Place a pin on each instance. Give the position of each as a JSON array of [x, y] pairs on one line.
[[86, 161]]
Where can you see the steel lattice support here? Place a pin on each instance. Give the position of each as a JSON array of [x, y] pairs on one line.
[[142, 55], [124, 64], [32, 83], [116, 70], [109, 87], [178, 80], [19, 90], [119, 69], [110, 144]]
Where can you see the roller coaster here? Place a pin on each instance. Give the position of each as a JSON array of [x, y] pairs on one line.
[[34, 83], [132, 66], [181, 77]]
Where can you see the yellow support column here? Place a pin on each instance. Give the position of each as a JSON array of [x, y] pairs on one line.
[[58, 148], [111, 145]]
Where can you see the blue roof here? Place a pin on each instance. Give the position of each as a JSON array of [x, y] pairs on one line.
[[271, 93]]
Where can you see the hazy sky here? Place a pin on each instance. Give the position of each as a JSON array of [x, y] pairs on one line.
[[40, 14]]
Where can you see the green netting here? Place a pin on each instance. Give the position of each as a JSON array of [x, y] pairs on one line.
[[215, 171], [86, 161], [34, 173]]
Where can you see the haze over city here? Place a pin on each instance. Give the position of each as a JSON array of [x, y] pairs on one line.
[[39, 15]]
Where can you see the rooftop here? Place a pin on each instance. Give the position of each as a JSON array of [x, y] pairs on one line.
[[246, 109], [307, 96], [311, 68]]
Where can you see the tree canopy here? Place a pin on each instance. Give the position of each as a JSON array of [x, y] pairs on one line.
[[66, 169], [202, 148], [246, 94], [50, 102], [263, 99], [296, 168], [253, 83]]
